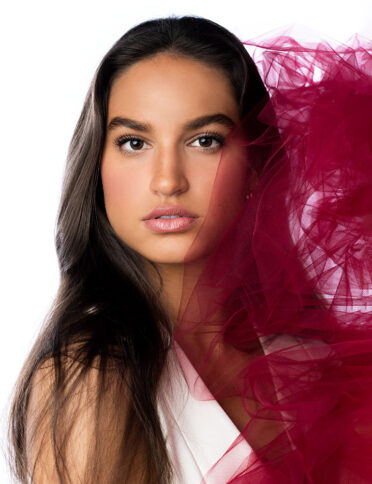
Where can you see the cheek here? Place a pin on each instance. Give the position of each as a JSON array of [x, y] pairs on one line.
[[202, 178], [120, 190], [226, 195], [230, 184]]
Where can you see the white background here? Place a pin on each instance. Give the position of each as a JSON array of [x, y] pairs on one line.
[[49, 52]]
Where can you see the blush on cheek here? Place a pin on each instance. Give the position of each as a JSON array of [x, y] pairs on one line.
[[121, 194], [114, 185]]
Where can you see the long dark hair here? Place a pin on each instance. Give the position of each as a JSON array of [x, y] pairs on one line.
[[106, 314]]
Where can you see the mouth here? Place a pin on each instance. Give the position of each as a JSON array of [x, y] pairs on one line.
[[164, 212], [170, 223], [170, 217]]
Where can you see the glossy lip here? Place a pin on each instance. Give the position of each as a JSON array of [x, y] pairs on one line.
[[169, 210], [179, 224]]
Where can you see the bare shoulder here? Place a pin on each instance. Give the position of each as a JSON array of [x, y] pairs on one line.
[[74, 425]]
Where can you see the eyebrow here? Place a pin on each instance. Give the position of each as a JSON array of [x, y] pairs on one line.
[[196, 123]]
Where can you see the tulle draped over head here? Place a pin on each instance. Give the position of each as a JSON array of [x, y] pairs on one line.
[[276, 310]]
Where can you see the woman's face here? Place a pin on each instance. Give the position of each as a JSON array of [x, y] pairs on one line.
[[170, 159]]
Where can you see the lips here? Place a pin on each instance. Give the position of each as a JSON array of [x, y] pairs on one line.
[[169, 210], [165, 225]]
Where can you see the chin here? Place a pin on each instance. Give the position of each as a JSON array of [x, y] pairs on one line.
[[167, 258], [178, 256], [166, 251]]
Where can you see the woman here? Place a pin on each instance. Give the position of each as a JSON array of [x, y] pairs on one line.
[[185, 235]]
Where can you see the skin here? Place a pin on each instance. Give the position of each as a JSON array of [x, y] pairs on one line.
[[169, 166]]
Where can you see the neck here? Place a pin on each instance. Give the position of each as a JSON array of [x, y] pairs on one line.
[[172, 276], [178, 283]]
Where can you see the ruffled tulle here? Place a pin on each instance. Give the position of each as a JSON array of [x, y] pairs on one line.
[[276, 310]]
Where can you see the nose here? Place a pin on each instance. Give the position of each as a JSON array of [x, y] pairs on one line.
[[168, 175]]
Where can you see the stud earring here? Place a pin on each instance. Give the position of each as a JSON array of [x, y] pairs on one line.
[[248, 195]]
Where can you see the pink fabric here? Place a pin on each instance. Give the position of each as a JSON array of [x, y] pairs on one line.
[[198, 432], [278, 313]]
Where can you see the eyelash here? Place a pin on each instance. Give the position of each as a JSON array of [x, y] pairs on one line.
[[208, 134]]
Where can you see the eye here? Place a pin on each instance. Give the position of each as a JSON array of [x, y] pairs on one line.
[[134, 142], [205, 141]]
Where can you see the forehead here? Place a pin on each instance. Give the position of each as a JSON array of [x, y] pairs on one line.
[[171, 88]]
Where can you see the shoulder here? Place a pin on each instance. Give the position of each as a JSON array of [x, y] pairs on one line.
[[73, 420]]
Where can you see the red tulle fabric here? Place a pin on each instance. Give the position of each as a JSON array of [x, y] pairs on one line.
[[276, 310]]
